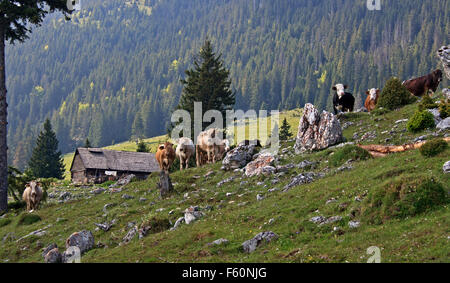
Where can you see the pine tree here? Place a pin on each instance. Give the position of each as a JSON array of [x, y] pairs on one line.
[[285, 131], [16, 19], [142, 147], [208, 82], [46, 161], [87, 143]]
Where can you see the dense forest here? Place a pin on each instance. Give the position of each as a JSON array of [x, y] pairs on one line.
[[113, 72]]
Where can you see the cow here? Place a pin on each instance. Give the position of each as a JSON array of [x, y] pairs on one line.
[[342, 101], [222, 148], [165, 156], [184, 151], [422, 85], [32, 195], [372, 99], [210, 147]]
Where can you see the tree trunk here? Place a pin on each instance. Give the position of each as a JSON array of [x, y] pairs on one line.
[[3, 129], [165, 184]]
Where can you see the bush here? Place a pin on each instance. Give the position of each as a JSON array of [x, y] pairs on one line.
[[420, 121], [349, 152], [433, 147], [427, 103], [444, 109], [156, 225], [401, 199], [394, 95], [4, 222], [28, 219]]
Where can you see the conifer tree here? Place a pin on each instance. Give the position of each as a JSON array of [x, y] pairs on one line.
[[46, 160], [285, 130], [16, 19], [142, 147], [208, 82], [87, 143]]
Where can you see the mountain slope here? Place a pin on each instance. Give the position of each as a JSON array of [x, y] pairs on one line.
[[117, 63], [233, 212]]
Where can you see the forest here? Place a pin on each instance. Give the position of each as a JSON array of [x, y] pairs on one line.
[[113, 73]]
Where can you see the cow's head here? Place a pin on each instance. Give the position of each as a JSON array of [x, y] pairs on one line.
[[34, 190], [373, 93], [438, 75], [340, 89]]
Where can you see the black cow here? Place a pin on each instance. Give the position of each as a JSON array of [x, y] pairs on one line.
[[422, 85], [342, 101]]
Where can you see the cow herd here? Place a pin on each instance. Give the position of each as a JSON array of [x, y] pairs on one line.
[[344, 101], [210, 148]]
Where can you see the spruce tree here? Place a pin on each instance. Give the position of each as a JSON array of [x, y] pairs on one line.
[[208, 82], [87, 144], [46, 161], [142, 147], [285, 131]]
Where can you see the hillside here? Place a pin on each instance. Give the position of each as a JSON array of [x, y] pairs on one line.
[[118, 65], [232, 211]]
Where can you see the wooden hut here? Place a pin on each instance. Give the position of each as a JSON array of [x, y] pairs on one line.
[[97, 165]]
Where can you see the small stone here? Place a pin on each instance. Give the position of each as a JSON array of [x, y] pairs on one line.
[[261, 238], [446, 167], [259, 197], [126, 196], [219, 242], [353, 224]]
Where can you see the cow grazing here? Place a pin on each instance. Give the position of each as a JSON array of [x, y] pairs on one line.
[[422, 85], [210, 147], [165, 156], [184, 151], [342, 101], [32, 195], [372, 99]]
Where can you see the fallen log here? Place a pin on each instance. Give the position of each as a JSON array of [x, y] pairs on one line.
[[382, 150]]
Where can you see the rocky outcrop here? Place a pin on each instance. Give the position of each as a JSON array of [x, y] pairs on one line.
[[262, 165], [240, 156], [444, 124], [191, 214], [263, 237], [53, 256], [317, 131], [84, 240], [446, 167], [444, 56]]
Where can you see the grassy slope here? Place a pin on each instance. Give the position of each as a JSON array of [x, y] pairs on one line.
[[416, 239]]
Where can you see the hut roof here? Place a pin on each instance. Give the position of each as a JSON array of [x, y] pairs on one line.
[[104, 159]]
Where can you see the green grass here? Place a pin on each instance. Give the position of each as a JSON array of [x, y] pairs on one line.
[[421, 237]]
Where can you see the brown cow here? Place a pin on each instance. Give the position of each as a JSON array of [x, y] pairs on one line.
[[422, 85], [372, 99], [32, 195], [165, 156]]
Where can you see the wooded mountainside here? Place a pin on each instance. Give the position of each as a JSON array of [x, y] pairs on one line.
[[114, 71]]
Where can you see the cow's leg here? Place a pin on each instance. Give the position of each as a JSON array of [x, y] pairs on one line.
[[197, 155], [187, 162], [181, 163]]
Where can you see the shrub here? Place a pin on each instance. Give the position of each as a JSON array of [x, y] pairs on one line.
[[427, 103], [433, 147], [156, 225], [420, 121], [402, 198], [349, 152], [444, 109], [4, 222], [394, 95], [28, 219]]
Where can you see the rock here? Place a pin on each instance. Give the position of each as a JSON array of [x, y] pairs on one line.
[[332, 219], [130, 235], [344, 168], [125, 180], [317, 131], [219, 242], [178, 223], [444, 124], [84, 240], [317, 219], [444, 56], [436, 115], [262, 165], [228, 180], [209, 174], [446, 93], [108, 206], [285, 168], [306, 165], [446, 167], [273, 190], [106, 226], [263, 237], [38, 233], [330, 201], [65, 196], [259, 197], [142, 199], [301, 179], [239, 156], [353, 224], [98, 191], [126, 196], [53, 256], [49, 248], [191, 214], [401, 121]]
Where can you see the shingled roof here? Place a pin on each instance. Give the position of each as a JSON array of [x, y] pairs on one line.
[[104, 159]]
